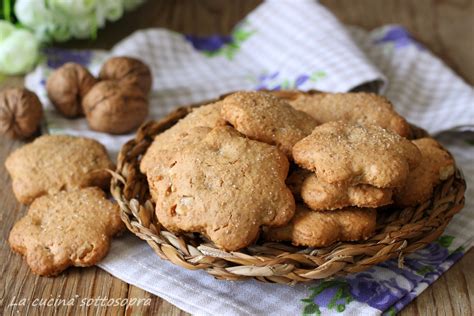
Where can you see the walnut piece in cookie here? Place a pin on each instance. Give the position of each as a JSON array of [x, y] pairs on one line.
[[115, 108], [225, 187], [66, 229], [321, 229], [342, 152], [67, 86], [436, 165], [266, 118], [208, 115], [355, 107], [128, 71], [20, 113], [324, 196], [57, 162]]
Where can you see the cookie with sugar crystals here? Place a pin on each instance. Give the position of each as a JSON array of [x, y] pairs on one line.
[[57, 162], [225, 187], [321, 229], [436, 165], [66, 229], [354, 107], [324, 196], [342, 152], [208, 115], [266, 118]]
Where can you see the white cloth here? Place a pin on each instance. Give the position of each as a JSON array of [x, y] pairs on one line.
[[288, 44]]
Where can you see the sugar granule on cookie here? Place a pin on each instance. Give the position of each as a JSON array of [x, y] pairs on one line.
[[266, 118], [225, 187], [342, 152], [323, 196], [321, 229], [66, 229], [354, 107], [436, 165], [208, 115], [57, 162]]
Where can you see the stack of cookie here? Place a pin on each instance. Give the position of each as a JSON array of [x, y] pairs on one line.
[[70, 221], [222, 171]]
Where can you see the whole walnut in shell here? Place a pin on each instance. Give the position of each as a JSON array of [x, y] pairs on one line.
[[20, 112], [67, 86], [127, 70], [115, 108]]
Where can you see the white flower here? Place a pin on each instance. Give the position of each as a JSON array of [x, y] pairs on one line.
[[63, 19], [36, 16], [18, 49], [74, 8], [113, 9]]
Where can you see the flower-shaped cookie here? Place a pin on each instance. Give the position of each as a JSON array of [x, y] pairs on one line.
[[225, 187], [66, 229], [342, 152]]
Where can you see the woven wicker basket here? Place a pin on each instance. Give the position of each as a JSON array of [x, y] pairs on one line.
[[399, 231]]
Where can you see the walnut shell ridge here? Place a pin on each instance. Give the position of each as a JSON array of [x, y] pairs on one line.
[[20, 112], [67, 86], [129, 71], [115, 108]]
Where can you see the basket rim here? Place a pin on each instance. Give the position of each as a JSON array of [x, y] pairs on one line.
[[404, 230]]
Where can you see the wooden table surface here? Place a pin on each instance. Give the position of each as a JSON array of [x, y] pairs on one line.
[[445, 27]]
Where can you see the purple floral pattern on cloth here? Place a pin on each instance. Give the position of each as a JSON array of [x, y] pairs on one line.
[[398, 36], [208, 43], [272, 81], [57, 57], [386, 287], [221, 45]]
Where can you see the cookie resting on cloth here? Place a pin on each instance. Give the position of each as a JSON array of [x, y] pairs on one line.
[[57, 162], [66, 229], [225, 187], [322, 196], [355, 107], [342, 152], [321, 229], [264, 117]]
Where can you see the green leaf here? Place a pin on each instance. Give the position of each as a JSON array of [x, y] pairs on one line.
[[311, 309], [335, 298], [445, 241], [470, 142], [340, 308], [307, 300], [285, 84], [391, 311], [425, 270], [7, 10], [240, 35], [317, 75]]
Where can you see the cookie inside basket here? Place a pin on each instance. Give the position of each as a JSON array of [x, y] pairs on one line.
[[257, 185]]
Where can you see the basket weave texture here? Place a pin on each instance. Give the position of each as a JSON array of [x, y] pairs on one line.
[[399, 231]]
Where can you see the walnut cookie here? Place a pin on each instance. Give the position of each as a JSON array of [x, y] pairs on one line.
[[321, 229], [66, 229], [356, 107], [264, 117], [342, 152], [323, 196], [436, 165], [57, 162], [225, 187], [203, 116]]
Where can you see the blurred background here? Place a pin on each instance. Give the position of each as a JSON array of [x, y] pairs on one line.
[[446, 27]]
